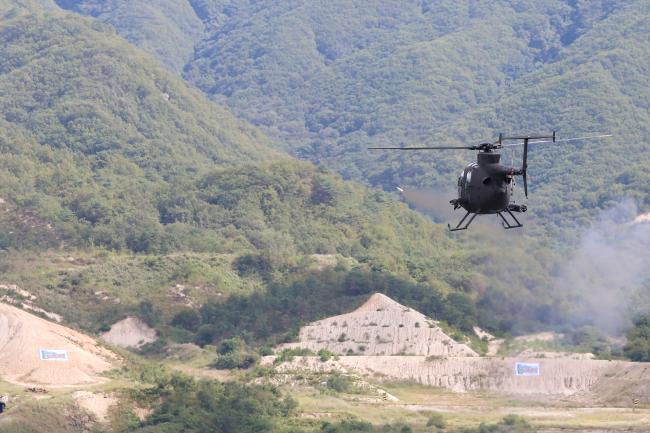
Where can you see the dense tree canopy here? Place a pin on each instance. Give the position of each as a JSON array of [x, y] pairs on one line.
[[331, 80]]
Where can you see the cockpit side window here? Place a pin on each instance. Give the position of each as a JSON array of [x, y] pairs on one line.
[[464, 181], [460, 184]]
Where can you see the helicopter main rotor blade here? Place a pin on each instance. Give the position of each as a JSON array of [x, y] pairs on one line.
[[422, 148], [559, 141]]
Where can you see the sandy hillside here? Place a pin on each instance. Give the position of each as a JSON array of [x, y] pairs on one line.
[[381, 326], [130, 332], [23, 336]]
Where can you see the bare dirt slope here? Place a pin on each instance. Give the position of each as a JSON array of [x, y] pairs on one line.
[[557, 376], [23, 335], [381, 326], [130, 332], [98, 405], [627, 382]]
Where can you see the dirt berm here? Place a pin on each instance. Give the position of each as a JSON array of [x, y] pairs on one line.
[[556, 376], [34, 351]]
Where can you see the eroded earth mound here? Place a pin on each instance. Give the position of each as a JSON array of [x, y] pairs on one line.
[[381, 326], [130, 332]]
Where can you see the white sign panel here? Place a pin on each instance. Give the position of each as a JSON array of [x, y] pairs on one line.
[[527, 369], [53, 355]]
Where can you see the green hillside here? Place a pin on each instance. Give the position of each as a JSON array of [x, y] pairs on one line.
[[167, 29], [594, 85], [106, 153], [107, 149], [94, 131], [331, 79], [94, 134]]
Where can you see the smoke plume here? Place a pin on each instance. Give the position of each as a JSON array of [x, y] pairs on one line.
[[605, 280], [607, 272], [434, 202]]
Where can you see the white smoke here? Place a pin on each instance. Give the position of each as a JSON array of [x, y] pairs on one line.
[[433, 202], [605, 274]]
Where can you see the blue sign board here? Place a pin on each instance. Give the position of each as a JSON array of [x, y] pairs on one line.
[[53, 355], [527, 369]]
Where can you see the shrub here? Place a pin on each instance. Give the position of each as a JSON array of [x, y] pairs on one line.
[[231, 345], [234, 353], [210, 406], [347, 426], [338, 383], [436, 420], [287, 354], [233, 360], [266, 351], [187, 319], [509, 424], [325, 355], [148, 313], [637, 347]]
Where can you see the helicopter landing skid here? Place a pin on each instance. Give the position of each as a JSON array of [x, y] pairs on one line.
[[460, 223], [506, 224]]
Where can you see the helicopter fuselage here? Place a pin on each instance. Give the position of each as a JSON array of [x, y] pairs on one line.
[[485, 186]]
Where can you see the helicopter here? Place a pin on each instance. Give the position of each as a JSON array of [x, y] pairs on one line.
[[486, 187]]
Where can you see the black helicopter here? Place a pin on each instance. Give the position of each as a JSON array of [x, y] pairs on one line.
[[485, 187]]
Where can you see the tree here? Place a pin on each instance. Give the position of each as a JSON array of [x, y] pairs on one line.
[[637, 347]]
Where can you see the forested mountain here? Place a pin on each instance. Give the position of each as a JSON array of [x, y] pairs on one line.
[[431, 72], [98, 138], [94, 134], [330, 79], [166, 28], [593, 85]]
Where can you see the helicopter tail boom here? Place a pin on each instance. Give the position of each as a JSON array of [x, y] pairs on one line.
[[527, 137]]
